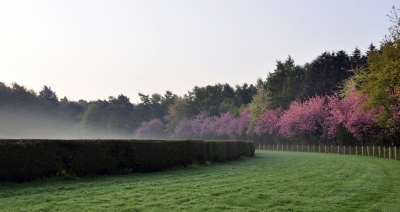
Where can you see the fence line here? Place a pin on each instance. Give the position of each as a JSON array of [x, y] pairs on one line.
[[389, 152]]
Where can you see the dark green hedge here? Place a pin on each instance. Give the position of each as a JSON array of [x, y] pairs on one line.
[[25, 160]]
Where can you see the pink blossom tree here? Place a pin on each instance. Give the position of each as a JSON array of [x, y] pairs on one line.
[[151, 129], [202, 126], [304, 118], [205, 127], [183, 129], [236, 127], [268, 122], [199, 127], [394, 121], [222, 125], [351, 114]]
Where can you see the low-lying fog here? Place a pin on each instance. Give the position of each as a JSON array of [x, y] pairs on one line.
[[22, 124]]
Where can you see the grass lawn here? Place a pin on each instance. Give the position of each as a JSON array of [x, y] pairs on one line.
[[271, 181]]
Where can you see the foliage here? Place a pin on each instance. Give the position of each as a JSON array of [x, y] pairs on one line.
[[119, 112], [218, 98], [94, 119], [285, 83], [382, 80], [155, 106], [393, 123], [176, 112], [351, 114], [151, 129], [212, 127], [47, 94], [268, 122], [325, 73], [260, 103], [25, 160], [304, 118]]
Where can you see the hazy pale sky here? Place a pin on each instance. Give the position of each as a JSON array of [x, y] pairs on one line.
[[94, 49]]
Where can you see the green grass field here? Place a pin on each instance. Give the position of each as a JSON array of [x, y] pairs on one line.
[[271, 181]]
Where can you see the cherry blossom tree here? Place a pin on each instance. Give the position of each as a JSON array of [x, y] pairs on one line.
[[304, 118], [393, 123], [199, 127], [222, 125], [150, 129], [238, 126], [351, 114], [212, 127], [183, 129], [268, 122]]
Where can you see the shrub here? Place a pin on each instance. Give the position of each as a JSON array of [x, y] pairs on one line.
[[25, 160]]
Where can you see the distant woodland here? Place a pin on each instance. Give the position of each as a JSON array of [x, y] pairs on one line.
[[337, 98]]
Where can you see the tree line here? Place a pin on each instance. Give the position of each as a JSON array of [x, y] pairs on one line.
[[26, 113]]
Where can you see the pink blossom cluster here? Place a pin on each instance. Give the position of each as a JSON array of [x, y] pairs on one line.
[[213, 127], [268, 122], [351, 114], [150, 129], [304, 118], [394, 120], [321, 115]]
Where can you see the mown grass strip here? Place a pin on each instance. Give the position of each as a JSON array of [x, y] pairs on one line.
[[270, 181]]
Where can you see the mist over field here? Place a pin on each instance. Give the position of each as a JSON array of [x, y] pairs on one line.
[[22, 124]]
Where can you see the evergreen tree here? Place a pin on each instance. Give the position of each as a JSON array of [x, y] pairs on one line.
[[47, 94], [356, 58], [285, 84], [325, 74], [120, 114]]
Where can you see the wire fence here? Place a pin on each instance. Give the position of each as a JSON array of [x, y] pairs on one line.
[[390, 152]]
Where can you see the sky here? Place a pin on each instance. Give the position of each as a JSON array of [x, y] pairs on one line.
[[94, 49]]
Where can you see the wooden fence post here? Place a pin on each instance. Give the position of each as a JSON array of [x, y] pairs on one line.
[[389, 152], [384, 152], [356, 150], [344, 149], [367, 151], [297, 147], [292, 147], [287, 147], [325, 148], [362, 150], [319, 148], [395, 153], [379, 151], [373, 151], [338, 149]]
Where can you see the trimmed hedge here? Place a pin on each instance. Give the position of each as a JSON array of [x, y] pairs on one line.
[[25, 160]]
